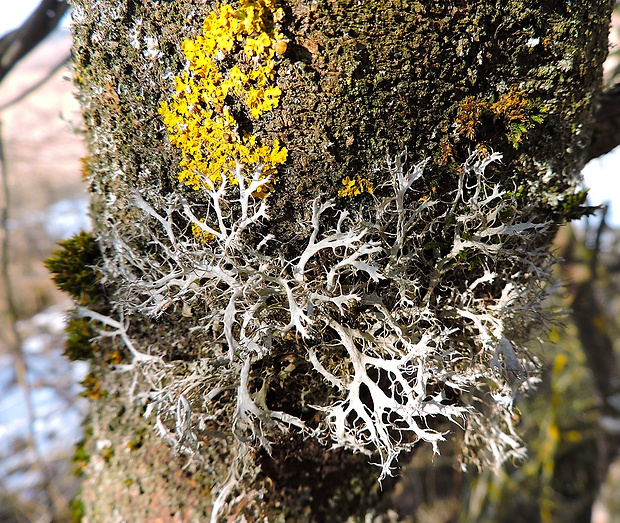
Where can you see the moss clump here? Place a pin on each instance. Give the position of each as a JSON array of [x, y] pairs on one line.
[[92, 387], [74, 271], [79, 345], [81, 457], [77, 507], [469, 117], [138, 439], [513, 111], [518, 113], [74, 268]]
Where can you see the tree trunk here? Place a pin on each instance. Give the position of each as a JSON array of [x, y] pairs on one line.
[[318, 253]]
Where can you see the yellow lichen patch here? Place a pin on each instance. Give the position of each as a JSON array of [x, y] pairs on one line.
[[233, 60], [201, 234], [355, 187]]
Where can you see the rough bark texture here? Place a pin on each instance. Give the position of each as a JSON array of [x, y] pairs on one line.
[[360, 81]]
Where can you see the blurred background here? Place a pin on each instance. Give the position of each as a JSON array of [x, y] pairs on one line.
[[572, 472], [42, 201]]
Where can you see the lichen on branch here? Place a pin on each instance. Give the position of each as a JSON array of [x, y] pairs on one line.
[[374, 321]]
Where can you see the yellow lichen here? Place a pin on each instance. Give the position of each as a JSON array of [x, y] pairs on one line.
[[199, 119], [355, 187], [201, 234]]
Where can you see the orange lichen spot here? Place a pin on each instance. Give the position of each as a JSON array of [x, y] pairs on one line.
[[235, 58], [280, 47], [355, 187]]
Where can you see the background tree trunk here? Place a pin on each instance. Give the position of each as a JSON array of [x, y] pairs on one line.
[[360, 83]]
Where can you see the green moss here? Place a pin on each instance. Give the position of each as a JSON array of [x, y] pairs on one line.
[[77, 508], [81, 457], [79, 345], [138, 439], [513, 115], [107, 454], [518, 113], [80, 460], [74, 268]]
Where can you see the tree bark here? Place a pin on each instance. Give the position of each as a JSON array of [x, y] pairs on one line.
[[218, 399]]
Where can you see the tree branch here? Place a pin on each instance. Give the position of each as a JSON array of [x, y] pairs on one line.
[[18, 43], [579, 271], [606, 134]]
